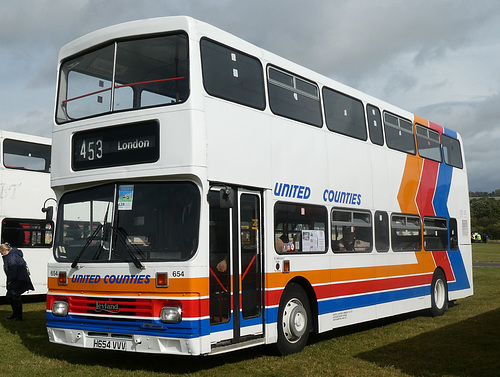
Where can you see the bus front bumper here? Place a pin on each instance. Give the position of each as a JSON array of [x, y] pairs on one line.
[[124, 342]]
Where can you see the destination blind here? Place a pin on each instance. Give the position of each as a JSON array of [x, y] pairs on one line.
[[129, 144]]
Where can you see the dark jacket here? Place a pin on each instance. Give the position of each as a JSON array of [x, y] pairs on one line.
[[18, 279]]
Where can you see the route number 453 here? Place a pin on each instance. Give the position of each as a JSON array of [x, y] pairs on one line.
[[91, 150]]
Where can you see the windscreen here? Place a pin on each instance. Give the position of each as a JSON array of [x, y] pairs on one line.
[[128, 222], [124, 75]]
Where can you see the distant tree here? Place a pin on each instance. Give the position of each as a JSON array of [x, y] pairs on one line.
[[479, 194], [485, 216], [484, 194]]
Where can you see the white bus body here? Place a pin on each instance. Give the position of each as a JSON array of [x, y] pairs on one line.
[[160, 118], [25, 187]]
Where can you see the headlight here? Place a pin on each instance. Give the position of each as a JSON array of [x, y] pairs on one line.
[[171, 314], [60, 308]]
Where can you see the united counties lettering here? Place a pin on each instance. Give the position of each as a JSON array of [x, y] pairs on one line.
[[111, 279], [292, 191], [341, 197]]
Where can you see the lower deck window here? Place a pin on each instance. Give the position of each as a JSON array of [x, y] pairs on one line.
[[435, 234], [406, 233], [27, 232], [351, 231], [299, 228], [381, 231]]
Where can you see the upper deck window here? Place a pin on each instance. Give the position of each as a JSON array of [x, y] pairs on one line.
[[344, 114], [124, 75], [232, 75], [428, 142], [293, 97], [375, 125], [452, 152], [26, 156], [399, 133]]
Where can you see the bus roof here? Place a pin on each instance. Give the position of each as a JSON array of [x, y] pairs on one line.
[[25, 137], [198, 29]]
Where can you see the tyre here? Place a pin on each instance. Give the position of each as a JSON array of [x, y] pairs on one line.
[[294, 320], [439, 294]]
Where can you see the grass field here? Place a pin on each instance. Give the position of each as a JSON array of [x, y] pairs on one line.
[[463, 342]]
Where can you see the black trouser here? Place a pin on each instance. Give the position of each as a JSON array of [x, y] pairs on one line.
[[17, 306]]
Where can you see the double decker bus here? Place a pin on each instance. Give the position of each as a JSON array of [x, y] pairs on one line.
[[213, 196], [24, 191]]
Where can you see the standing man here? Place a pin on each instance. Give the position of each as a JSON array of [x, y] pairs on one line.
[[18, 279]]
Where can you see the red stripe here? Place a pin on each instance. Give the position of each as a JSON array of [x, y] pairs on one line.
[[441, 259], [324, 292], [427, 187], [369, 286]]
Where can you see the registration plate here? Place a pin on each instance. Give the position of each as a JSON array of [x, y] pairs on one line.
[[119, 345]]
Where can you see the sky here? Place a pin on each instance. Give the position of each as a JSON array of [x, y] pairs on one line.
[[439, 59]]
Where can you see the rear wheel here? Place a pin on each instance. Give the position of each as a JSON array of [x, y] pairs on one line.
[[294, 320], [439, 294]]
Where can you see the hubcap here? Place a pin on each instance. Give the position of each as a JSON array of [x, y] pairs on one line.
[[439, 293], [294, 320]]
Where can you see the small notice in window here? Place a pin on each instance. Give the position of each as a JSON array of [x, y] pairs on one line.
[[126, 197], [313, 240]]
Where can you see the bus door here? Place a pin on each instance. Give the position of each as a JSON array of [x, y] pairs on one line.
[[236, 308]]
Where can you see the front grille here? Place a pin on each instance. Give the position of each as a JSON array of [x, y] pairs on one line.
[[129, 307]]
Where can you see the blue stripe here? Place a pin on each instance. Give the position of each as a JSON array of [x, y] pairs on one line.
[[457, 263], [229, 325], [184, 329], [440, 203], [356, 302], [443, 184], [371, 299]]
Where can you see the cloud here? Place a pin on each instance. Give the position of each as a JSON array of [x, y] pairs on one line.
[[477, 122], [437, 58]]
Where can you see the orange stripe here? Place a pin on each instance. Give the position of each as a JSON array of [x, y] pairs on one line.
[[409, 184], [411, 178], [424, 264], [177, 286]]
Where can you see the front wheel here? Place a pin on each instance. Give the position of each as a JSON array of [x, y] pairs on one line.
[[294, 320], [439, 294]]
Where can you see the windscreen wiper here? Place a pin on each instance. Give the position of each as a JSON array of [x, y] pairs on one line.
[[105, 231], [89, 240], [132, 249]]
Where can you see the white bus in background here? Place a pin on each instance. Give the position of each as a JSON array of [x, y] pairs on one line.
[[24, 191]]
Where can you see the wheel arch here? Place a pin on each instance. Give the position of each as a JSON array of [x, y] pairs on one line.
[[443, 270], [311, 296]]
